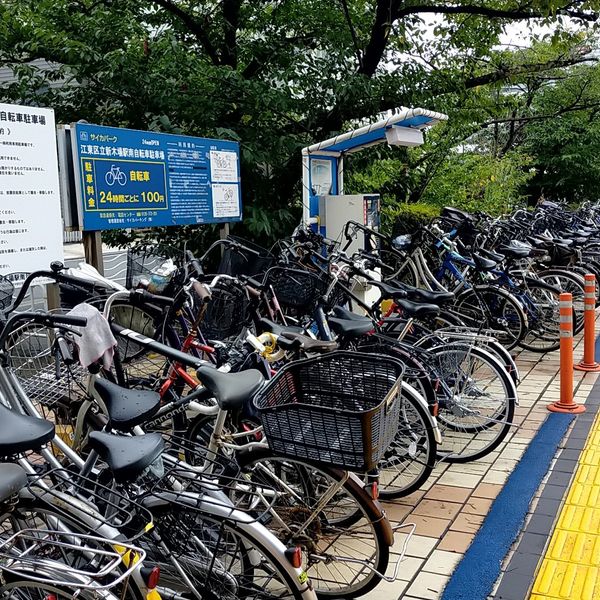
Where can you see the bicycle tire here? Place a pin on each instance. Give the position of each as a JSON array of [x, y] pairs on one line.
[[421, 449], [485, 436], [543, 334], [177, 534], [259, 465], [483, 301], [568, 281]]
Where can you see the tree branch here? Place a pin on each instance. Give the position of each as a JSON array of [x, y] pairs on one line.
[[348, 16], [385, 15], [194, 27], [231, 17]]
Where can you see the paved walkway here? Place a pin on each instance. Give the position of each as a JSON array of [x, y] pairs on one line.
[[451, 507]]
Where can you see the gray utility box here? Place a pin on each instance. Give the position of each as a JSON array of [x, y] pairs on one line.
[[336, 211]]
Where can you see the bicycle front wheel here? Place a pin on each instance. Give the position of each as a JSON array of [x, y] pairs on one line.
[[344, 535], [476, 401], [409, 460]]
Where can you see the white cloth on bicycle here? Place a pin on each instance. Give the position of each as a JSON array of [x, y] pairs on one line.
[[96, 342]]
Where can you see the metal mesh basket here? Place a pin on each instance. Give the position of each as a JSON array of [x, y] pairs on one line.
[[140, 264], [341, 409], [236, 261], [295, 288], [41, 372]]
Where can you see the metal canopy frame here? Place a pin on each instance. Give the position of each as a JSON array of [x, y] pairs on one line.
[[334, 149]]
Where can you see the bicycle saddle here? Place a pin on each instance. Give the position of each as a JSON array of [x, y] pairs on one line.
[[127, 457], [231, 390], [12, 479], [20, 433], [388, 291], [275, 328], [514, 251], [484, 264], [351, 328], [427, 296], [491, 255], [412, 309], [344, 313], [294, 341], [127, 408]]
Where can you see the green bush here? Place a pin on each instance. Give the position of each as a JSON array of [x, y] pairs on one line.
[[398, 218]]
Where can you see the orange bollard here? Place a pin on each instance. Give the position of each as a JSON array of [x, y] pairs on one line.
[[566, 403], [589, 335]]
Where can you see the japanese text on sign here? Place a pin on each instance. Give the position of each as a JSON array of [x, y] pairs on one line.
[[132, 178], [30, 220]]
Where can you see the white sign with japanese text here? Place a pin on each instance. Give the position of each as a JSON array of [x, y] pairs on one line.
[[31, 231]]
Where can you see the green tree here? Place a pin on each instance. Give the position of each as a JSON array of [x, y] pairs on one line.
[[274, 74]]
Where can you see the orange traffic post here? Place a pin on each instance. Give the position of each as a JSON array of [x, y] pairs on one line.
[[589, 334], [566, 404]]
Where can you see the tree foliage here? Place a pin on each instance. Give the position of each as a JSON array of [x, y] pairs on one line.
[[278, 75]]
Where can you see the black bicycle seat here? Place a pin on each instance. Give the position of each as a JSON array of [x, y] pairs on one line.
[[491, 255], [483, 263], [231, 390], [127, 457], [20, 433], [127, 408], [418, 310], [427, 296], [308, 344], [275, 328], [344, 313], [350, 328], [514, 251], [389, 291], [12, 479]]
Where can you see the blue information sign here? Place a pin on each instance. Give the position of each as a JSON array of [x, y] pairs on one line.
[[131, 178]]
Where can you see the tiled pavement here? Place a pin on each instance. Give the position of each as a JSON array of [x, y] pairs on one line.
[[451, 506]]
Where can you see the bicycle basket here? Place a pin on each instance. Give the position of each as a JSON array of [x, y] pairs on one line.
[[6, 292], [295, 288], [236, 261], [141, 263], [341, 409], [227, 313]]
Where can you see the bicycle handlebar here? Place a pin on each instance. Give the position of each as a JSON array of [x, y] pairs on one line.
[[46, 319]]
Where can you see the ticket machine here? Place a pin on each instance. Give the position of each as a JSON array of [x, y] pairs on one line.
[[325, 206]]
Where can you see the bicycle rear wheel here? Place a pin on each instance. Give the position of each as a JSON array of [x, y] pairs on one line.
[[345, 538]]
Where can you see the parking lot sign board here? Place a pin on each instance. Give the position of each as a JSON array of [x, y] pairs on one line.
[[130, 179]]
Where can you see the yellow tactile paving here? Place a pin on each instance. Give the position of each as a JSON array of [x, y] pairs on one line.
[[570, 569]]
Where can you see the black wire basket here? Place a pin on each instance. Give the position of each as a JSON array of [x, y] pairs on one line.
[[141, 263], [295, 288], [239, 261], [341, 409], [227, 312]]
